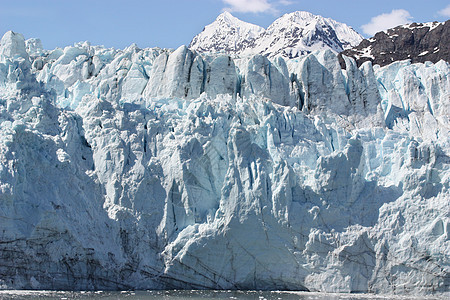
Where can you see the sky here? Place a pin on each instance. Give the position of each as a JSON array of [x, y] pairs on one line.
[[172, 23]]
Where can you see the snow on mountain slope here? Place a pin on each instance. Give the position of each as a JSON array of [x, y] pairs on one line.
[[291, 35], [149, 168], [227, 33], [300, 32]]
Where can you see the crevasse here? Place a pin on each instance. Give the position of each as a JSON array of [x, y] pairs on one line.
[[153, 168]]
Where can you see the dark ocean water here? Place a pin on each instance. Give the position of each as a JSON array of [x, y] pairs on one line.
[[148, 295]]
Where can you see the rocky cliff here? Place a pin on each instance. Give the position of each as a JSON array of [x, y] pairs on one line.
[[419, 42]]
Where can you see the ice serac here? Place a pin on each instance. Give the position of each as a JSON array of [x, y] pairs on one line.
[[268, 80], [13, 45], [156, 168], [416, 98]]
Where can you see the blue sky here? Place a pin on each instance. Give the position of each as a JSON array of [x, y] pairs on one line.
[[172, 23]]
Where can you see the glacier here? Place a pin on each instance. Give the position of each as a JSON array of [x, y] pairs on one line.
[[157, 168]]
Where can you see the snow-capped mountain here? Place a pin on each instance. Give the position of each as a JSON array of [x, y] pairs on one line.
[[419, 42], [300, 33], [160, 169], [291, 35], [227, 33]]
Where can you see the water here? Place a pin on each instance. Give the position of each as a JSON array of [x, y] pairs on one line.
[[192, 295]]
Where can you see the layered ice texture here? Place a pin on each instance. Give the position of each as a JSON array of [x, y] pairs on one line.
[[153, 168]]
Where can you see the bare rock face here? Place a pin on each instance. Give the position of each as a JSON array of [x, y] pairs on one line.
[[419, 42]]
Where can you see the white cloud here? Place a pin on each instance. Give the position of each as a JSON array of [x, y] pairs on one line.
[[285, 2], [255, 6], [386, 21], [249, 6], [445, 12]]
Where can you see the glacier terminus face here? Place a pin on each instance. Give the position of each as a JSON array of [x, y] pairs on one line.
[[156, 169]]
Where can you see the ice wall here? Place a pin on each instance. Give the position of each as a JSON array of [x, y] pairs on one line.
[[150, 168]]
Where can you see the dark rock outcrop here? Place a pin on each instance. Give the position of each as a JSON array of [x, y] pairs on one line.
[[416, 41]]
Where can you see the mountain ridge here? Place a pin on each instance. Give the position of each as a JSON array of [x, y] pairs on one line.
[[234, 34], [291, 35], [419, 42]]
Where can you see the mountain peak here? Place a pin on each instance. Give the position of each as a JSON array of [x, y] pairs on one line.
[[291, 35], [227, 33], [228, 17], [300, 15]]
